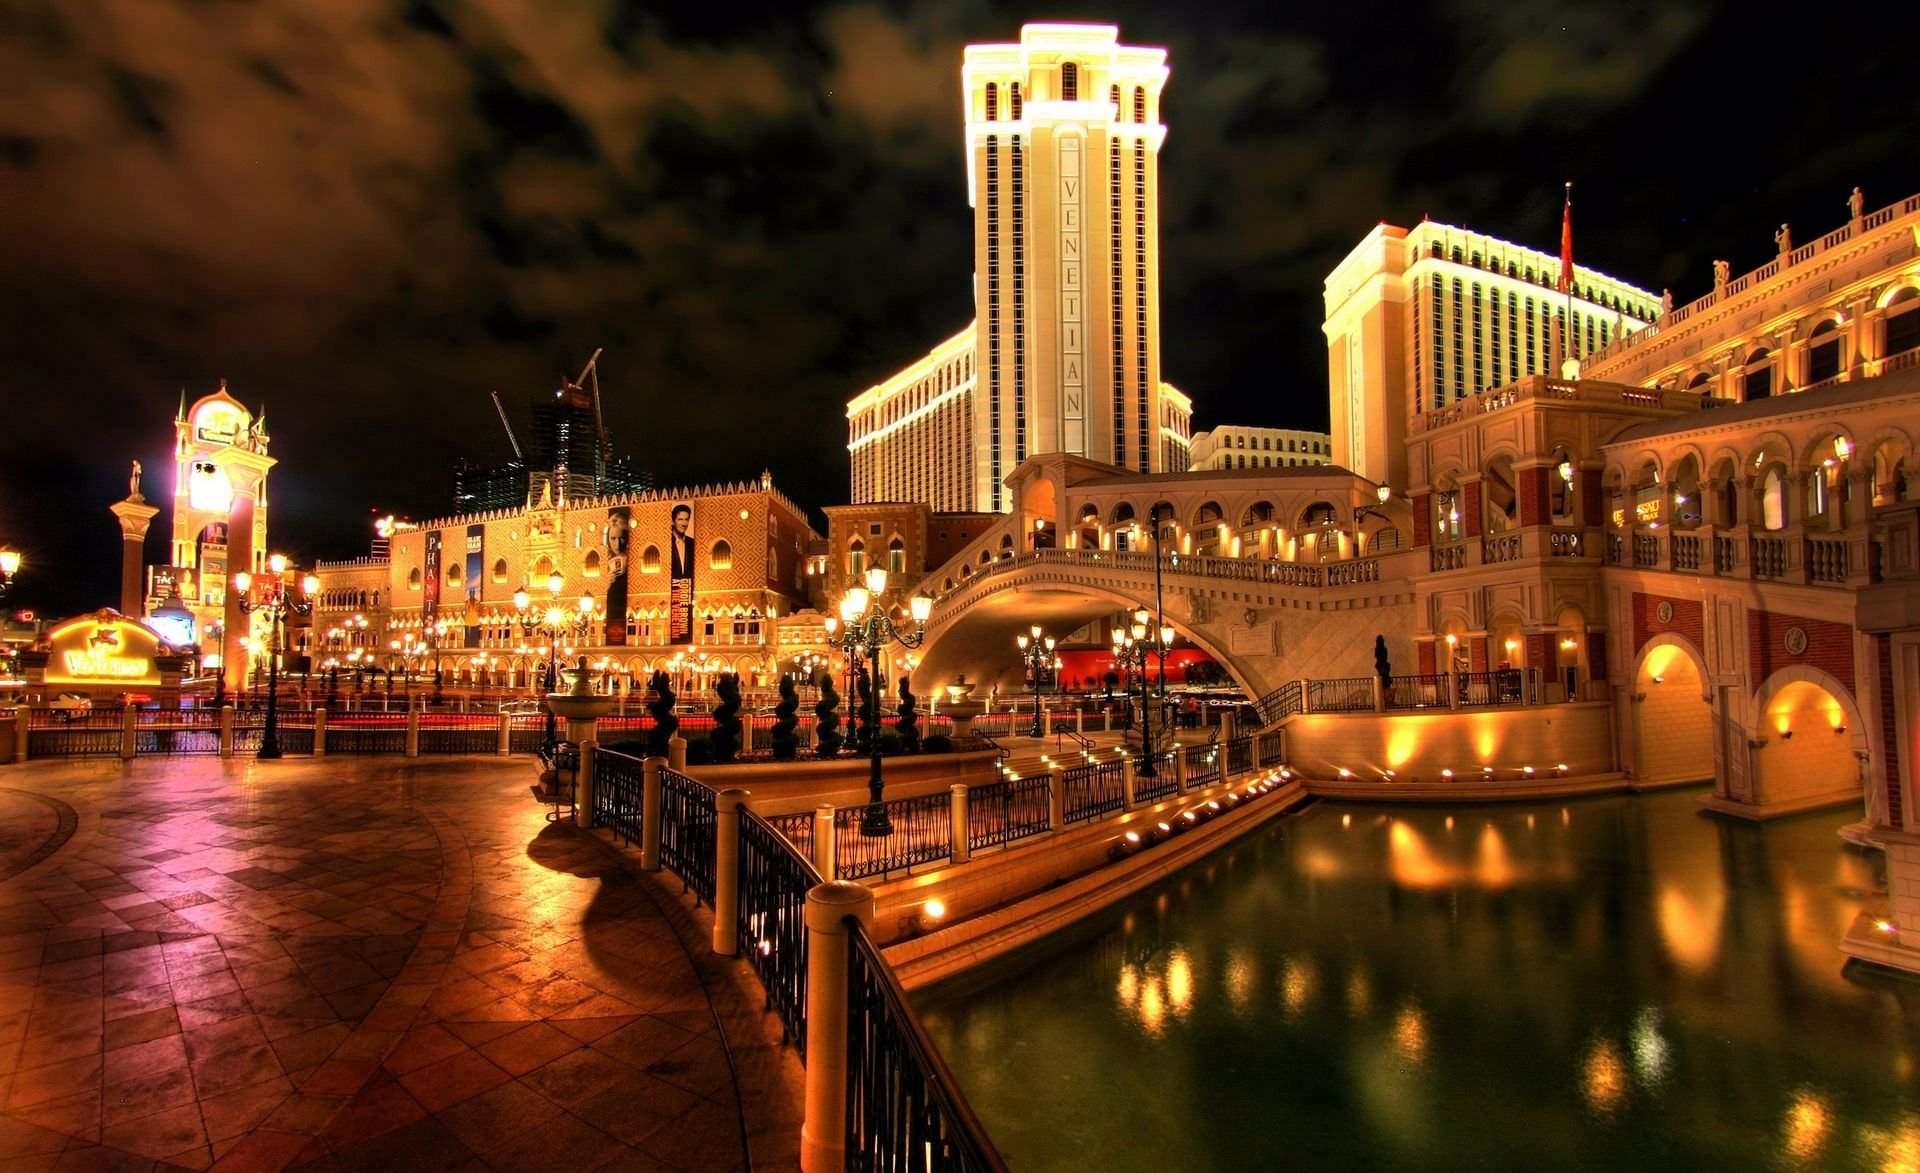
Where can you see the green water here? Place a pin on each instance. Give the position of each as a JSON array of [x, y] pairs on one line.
[[1617, 983]]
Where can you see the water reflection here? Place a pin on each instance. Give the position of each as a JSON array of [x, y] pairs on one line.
[[1354, 987]]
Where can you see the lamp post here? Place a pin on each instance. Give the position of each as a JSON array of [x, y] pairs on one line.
[[432, 634], [1362, 511], [9, 567], [555, 620], [1036, 651], [1131, 649], [866, 627], [277, 606], [410, 652]]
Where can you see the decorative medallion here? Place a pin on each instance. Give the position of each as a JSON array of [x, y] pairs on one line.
[[1796, 640], [1664, 612]]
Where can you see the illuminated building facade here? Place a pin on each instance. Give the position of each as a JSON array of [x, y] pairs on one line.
[[1230, 446], [1063, 139], [446, 585], [1417, 319]]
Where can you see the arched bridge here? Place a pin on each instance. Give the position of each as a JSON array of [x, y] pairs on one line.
[[1266, 622]]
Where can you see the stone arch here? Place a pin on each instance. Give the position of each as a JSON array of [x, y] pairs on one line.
[[1903, 290], [1673, 718], [650, 560], [1807, 738]]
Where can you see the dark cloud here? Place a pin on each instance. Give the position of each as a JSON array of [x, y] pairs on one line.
[[371, 215]]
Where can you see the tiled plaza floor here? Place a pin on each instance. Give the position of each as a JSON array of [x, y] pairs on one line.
[[358, 964]]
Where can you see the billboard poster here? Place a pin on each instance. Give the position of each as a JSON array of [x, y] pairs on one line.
[[680, 580], [618, 534], [430, 584], [476, 558]]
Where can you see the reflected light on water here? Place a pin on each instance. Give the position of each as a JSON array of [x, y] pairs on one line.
[[1240, 979], [1603, 1077], [1807, 1124], [1690, 926], [1410, 1034], [1359, 994], [1128, 988], [1650, 1054], [1493, 869], [1297, 983], [1410, 863], [1180, 981], [1897, 1149], [1153, 1010]]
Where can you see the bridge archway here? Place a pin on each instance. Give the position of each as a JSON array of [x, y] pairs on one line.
[[1809, 740], [1673, 723]]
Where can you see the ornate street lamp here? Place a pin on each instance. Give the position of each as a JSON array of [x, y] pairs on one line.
[[9, 567], [277, 606], [866, 627], [1362, 511], [1131, 648], [555, 620], [1036, 651]]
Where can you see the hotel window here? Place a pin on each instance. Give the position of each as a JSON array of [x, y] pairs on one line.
[[650, 560], [1479, 340], [500, 570], [1493, 333], [1140, 291], [993, 314], [1903, 322], [1823, 352], [1758, 381], [1139, 103], [856, 559], [413, 580], [1119, 309], [1458, 308], [1513, 337], [1533, 348], [591, 567], [896, 557], [720, 557], [1070, 82], [1439, 349], [1014, 91], [993, 102], [1017, 213]]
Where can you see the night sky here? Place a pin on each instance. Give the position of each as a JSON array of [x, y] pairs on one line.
[[369, 215]]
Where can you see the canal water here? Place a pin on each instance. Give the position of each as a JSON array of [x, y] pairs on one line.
[[1614, 983]]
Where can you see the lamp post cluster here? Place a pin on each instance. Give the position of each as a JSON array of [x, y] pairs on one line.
[[9, 567], [1131, 650], [555, 619], [864, 629], [1036, 652], [278, 605]]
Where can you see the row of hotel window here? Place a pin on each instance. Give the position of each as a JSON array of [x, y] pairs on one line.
[[1069, 92], [719, 557]]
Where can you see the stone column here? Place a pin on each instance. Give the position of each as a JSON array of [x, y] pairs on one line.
[[506, 734], [413, 732], [128, 736], [961, 850], [825, 847], [1129, 783], [726, 870], [650, 814], [320, 731], [245, 472], [135, 516], [823, 1131], [226, 731], [583, 785], [1056, 798]]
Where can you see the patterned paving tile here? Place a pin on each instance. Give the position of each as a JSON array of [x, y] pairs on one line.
[[347, 964]]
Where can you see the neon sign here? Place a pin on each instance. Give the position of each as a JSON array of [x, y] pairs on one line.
[[103, 648]]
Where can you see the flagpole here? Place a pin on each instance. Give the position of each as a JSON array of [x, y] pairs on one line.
[[1571, 335]]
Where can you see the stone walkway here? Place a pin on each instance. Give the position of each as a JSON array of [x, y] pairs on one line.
[[359, 963]]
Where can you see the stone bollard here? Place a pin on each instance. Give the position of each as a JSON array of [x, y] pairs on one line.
[[650, 814], [677, 754], [823, 1130], [506, 734], [1226, 729], [1056, 798], [413, 732], [320, 731], [1379, 696], [961, 849], [1129, 782], [1080, 721], [226, 731], [583, 786], [129, 739], [825, 847], [1180, 772], [726, 870]]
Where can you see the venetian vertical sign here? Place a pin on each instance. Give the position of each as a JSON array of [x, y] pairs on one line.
[[476, 563], [680, 575], [1073, 363], [430, 588], [618, 533]]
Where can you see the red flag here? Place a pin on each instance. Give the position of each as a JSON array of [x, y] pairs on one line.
[[1566, 242]]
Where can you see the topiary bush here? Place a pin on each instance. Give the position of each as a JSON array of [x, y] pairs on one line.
[[661, 706], [726, 718], [891, 744], [701, 751], [937, 743], [908, 726], [826, 721], [863, 730], [785, 717]]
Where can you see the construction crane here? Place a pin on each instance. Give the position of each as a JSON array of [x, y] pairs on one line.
[[603, 444], [517, 455]]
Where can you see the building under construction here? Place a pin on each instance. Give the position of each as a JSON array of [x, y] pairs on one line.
[[568, 448]]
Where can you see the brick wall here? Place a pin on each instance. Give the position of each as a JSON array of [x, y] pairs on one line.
[[1829, 646], [1428, 658], [1533, 497], [1688, 622], [1470, 509], [1477, 654], [1590, 498], [1423, 520], [1539, 653], [1597, 654], [1889, 727]]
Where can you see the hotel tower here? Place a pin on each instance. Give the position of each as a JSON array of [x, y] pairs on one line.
[[1063, 354]]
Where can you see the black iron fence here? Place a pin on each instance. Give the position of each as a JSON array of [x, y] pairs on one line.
[[798, 828], [1203, 764], [1502, 686], [999, 813], [453, 738], [1272, 748], [905, 1113], [687, 824], [1163, 781], [1347, 694], [774, 879], [922, 833], [1281, 702], [1240, 756], [1417, 692], [367, 737], [1092, 790], [619, 790]]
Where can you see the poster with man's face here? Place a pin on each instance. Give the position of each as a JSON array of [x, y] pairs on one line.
[[680, 575], [619, 523]]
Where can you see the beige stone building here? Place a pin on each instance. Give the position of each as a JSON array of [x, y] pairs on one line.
[[1063, 138], [1233, 446]]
